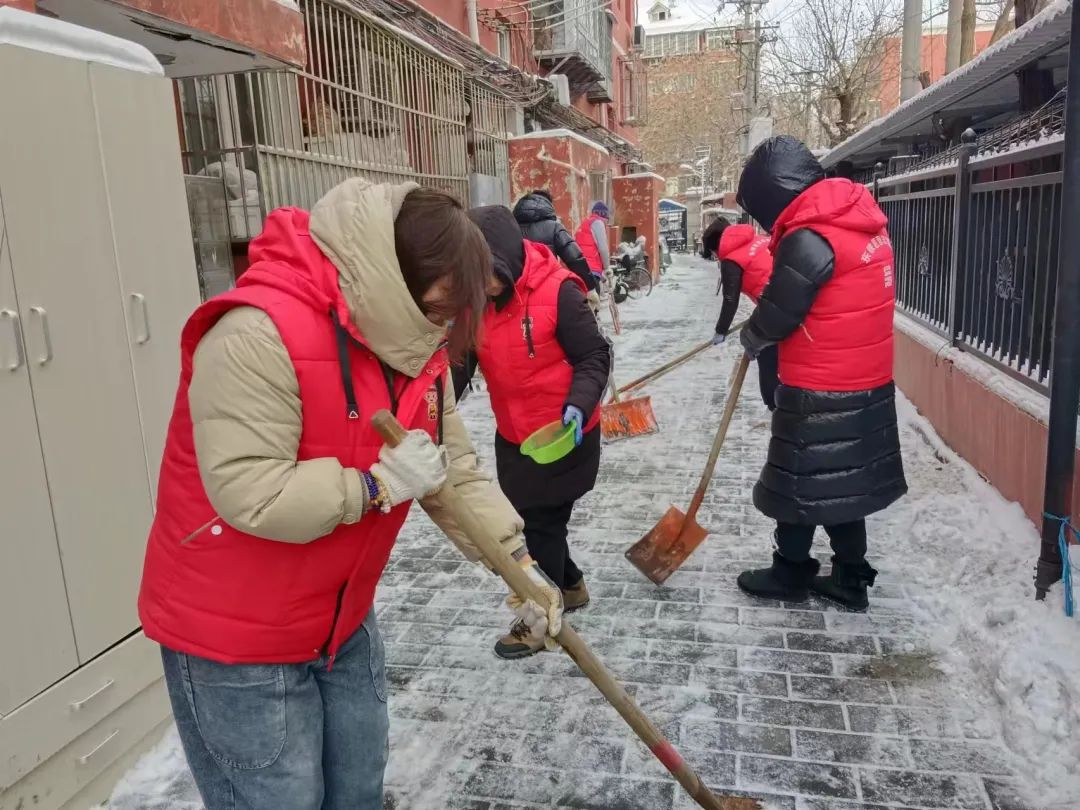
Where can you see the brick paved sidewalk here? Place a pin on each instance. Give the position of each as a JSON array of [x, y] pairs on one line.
[[805, 706]]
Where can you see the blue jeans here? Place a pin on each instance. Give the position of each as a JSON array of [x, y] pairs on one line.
[[286, 736]]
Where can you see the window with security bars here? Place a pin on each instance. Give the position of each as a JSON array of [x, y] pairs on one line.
[[634, 92], [718, 39], [600, 190], [487, 134], [369, 103]]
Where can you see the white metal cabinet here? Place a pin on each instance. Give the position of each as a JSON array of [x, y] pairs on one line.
[[35, 633], [64, 262], [135, 119]]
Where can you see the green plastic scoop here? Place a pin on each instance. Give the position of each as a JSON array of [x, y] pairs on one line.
[[550, 443]]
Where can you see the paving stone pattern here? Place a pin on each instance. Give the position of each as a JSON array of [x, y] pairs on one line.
[[803, 706]]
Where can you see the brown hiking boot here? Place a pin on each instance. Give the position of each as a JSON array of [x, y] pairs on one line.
[[575, 597], [518, 643]]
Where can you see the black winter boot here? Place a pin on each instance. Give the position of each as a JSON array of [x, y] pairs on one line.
[[784, 581], [846, 585]]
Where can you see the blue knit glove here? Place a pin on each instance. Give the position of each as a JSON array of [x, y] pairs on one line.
[[718, 339], [574, 414]]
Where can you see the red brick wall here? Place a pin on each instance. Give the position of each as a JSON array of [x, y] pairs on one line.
[[637, 199], [264, 25], [545, 163], [1003, 443], [513, 13], [933, 62]]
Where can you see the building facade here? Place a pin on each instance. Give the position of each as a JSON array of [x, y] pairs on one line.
[[933, 65], [433, 91], [695, 78]]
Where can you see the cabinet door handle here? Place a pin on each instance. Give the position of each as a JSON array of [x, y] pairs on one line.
[[46, 339], [16, 334], [78, 704], [139, 300], [85, 758]]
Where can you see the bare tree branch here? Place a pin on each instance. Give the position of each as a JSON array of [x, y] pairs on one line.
[[825, 72]]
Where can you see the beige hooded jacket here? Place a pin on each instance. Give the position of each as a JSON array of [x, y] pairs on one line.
[[245, 399]]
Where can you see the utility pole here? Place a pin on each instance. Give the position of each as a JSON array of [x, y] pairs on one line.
[[749, 40], [806, 81], [911, 50]]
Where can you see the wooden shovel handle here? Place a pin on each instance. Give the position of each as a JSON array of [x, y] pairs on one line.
[[664, 369], [721, 434], [671, 365], [505, 566]]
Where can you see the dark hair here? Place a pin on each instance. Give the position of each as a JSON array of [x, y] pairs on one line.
[[434, 238], [543, 192]]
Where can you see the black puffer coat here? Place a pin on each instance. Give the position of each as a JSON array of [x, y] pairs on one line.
[[834, 456], [526, 483], [535, 213]]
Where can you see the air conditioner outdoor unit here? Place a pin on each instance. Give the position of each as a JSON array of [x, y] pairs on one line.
[[639, 37], [562, 87]]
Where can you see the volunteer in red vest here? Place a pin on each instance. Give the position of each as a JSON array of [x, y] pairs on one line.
[[544, 360], [592, 238], [279, 504], [745, 266], [834, 457]]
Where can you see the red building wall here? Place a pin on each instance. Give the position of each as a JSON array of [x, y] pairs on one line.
[[559, 163], [516, 16], [637, 206], [1005, 444], [933, 62]]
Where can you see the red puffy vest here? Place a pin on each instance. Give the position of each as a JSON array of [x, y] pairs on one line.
[[527, 373], [846, 341], [213, 591], [743, 246], [587, 242]]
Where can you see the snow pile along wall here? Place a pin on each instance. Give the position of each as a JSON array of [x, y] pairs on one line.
[[991, 636]]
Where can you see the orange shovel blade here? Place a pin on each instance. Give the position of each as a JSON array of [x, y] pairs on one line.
[[668, 544], [629, 417]]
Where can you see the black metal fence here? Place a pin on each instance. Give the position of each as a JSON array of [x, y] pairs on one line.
[[976, 255]]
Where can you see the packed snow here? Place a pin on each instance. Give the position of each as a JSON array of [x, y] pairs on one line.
[[969, 644]]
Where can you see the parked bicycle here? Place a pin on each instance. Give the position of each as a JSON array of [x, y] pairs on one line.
[[631, 276]]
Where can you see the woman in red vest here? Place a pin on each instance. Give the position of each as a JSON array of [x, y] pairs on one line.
[[745, 266], [834, 457], [544, 359], [592, 238], [278, 504]]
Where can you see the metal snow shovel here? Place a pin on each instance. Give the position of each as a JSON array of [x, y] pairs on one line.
[[621, 419], [504, 565], [625, 418], [671, 365], [660, 552]]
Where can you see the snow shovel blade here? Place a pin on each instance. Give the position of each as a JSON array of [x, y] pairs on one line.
[[627, 418], [659, 553]]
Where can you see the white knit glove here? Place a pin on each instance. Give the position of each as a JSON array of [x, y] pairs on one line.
[[414, 469], [593, 297], [543, 622]]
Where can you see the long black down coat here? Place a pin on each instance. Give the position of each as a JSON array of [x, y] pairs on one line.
[[834, 456], [526, 483], [536, 215]]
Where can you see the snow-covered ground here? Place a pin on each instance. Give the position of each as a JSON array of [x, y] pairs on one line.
[[956, 690]]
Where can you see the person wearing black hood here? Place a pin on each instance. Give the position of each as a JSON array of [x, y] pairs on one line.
[[535, 213], [544, 360], [834, 457]]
